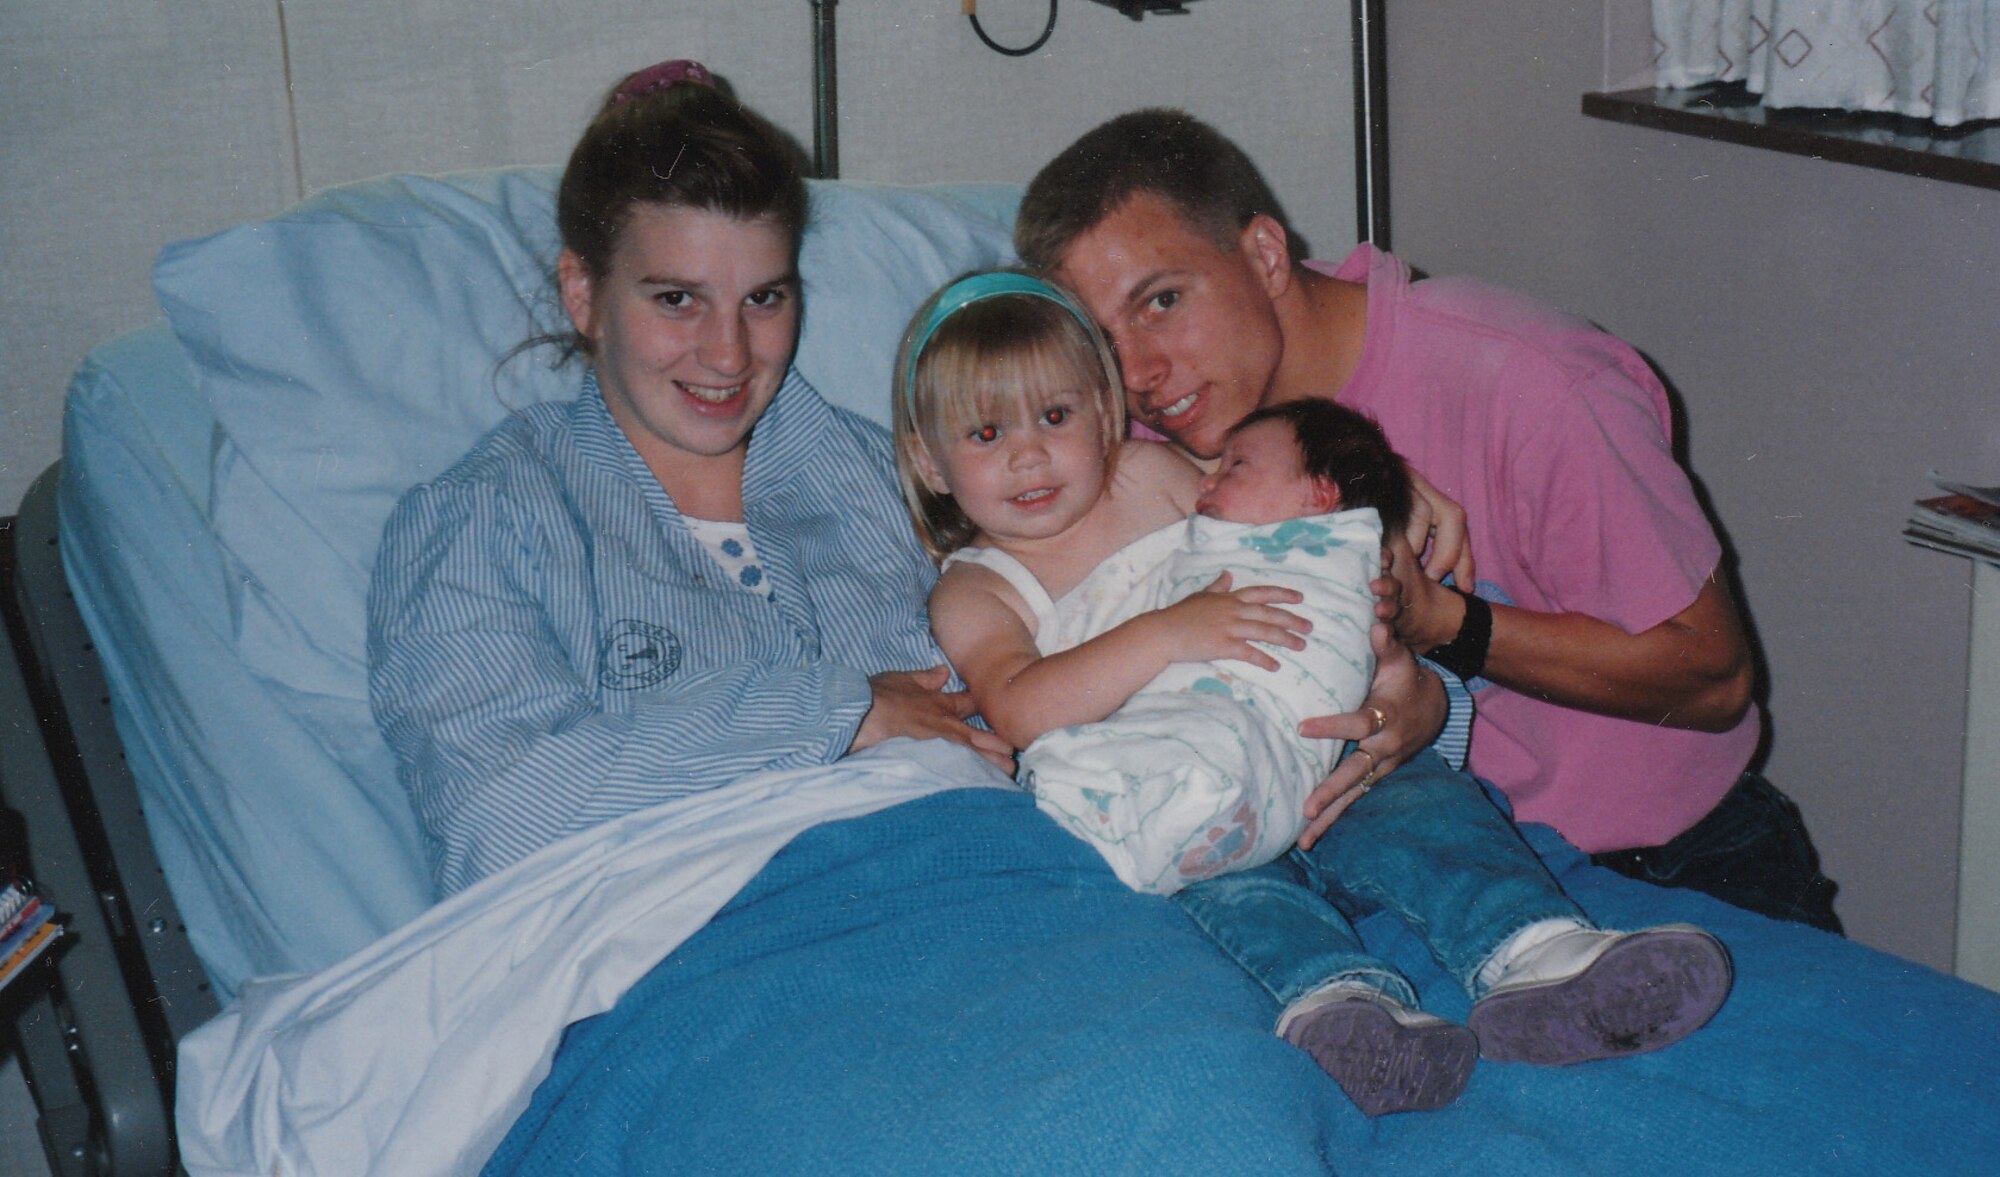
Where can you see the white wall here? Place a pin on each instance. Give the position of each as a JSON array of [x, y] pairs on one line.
[[128, 124], [136, 123], [1831, 332]]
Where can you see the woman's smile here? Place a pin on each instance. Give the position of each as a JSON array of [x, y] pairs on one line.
[[712, 398]]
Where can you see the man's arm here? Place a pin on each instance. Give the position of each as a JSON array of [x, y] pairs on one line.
[[1692, 670]]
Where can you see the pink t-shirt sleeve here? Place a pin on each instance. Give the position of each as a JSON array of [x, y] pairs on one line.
[[1556, 439], [1609, 523]]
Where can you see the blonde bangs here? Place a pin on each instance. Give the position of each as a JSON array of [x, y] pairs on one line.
[[1010, 359]]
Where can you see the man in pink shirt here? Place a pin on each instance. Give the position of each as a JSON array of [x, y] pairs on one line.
[[1611, 674]]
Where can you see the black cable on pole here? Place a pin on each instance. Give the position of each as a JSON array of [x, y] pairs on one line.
[[996, 47]]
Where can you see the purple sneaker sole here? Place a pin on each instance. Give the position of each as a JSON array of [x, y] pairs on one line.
[[1383, 1065], [1650, 990]]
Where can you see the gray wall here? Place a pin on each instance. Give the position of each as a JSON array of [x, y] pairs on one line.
[[132, 123], [1833, 332]]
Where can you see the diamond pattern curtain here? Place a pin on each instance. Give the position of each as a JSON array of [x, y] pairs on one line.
[[1930, 59]]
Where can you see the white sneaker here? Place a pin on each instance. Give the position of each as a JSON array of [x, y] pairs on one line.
[[1583, 994], [1386, 1056]]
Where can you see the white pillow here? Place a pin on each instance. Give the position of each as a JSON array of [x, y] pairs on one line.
[[354, 346]]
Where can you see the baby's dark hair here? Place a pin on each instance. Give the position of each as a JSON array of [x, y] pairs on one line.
[[1349, 451]]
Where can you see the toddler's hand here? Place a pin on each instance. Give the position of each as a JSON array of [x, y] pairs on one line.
[[1217, 624]]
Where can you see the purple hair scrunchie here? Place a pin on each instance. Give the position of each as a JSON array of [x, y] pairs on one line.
[[661, 76]]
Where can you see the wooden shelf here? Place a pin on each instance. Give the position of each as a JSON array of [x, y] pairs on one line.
[[1962, 155]]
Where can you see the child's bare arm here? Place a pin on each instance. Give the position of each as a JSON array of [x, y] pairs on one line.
[[1022, 694]]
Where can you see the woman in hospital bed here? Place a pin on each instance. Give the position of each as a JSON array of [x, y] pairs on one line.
[[632, 596]]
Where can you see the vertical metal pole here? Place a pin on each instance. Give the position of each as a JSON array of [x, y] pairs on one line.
[[1371, 124], [826, 96]]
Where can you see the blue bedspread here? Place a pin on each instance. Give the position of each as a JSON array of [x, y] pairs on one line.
[[956, 986]]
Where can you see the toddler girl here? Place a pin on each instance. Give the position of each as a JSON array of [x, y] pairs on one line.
[[1010, 444]]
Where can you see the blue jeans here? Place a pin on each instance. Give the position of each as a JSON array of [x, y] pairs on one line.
[[1752, 850], [1426, 844]]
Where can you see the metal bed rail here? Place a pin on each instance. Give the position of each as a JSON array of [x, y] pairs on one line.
[[97, 1041]]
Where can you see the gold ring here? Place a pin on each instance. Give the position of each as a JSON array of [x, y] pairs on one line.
[[1381, 721], [1367, 780]]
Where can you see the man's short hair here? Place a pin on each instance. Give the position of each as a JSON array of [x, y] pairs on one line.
[[1161, 151]]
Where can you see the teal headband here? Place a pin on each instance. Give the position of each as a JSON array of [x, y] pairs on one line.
[[978, 288]]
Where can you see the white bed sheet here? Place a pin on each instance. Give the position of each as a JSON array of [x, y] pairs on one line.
[[415, 1055]]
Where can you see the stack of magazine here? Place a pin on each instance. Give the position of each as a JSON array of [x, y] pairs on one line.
[[27, 920], [1965, 520], [27, 926]]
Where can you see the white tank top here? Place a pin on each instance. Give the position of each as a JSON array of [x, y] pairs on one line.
[[1124, 585]]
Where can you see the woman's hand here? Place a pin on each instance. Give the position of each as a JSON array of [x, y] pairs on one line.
[[1405, 711], [1438, 523], [914, 703], [1216, 625], [1424, 613]]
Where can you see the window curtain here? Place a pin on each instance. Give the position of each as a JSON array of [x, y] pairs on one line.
[[1929, 59]]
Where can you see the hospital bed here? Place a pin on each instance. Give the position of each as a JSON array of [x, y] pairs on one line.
[[890, 966]]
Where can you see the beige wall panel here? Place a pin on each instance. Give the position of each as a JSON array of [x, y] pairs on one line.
[[393, 86], [133, 125], [384, 86], [921, 98], [127, 125]]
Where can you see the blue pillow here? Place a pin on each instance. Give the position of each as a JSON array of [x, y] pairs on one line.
[[366, 339]]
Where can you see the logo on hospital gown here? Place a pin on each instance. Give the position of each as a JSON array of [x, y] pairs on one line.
[[636, 655]]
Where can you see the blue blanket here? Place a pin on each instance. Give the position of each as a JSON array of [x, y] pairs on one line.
[[956, 986]]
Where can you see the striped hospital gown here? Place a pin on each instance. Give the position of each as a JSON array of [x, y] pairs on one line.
[[549, 647]]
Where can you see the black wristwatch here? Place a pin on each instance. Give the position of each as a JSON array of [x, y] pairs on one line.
[[1465, 654]]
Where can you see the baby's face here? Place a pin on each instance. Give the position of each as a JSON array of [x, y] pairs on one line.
[[1261, 479]]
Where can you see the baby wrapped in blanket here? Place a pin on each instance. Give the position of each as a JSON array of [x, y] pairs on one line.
[[1203, 770]]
